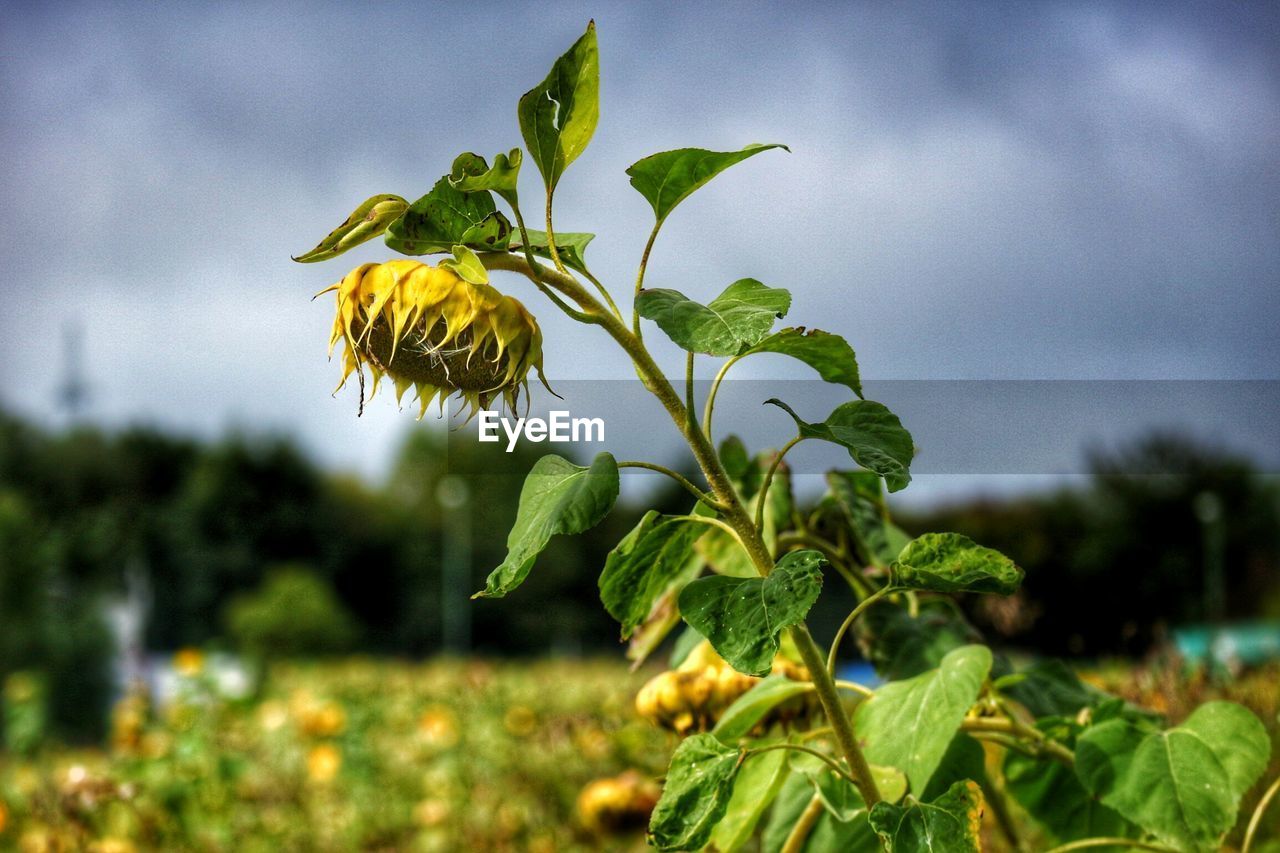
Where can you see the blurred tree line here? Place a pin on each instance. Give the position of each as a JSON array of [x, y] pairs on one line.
[[247, 539]]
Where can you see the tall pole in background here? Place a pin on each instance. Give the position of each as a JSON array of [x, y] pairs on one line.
[[454, 498]]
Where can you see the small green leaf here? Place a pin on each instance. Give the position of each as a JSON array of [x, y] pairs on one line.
[[1051, 688], [472, 174], [367, 221], [900, 645], [950, 824], [644, 564], [826, 353], [909, 724], [446, 217], [559, 115], [669, 177], [571, 246], [558, 497], [1182, 785], [751, 707], [871, 433], [743, 617], [696, 795], [860, 496], [949, 562], [758, 783], [741, 316], [466, 266]]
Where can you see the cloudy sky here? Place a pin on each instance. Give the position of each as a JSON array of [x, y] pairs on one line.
[[1026, 191]]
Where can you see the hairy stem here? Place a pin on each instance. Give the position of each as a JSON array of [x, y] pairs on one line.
[[644, 264], [794, 747], [762, 497], [1258, 812], [1035, 738]]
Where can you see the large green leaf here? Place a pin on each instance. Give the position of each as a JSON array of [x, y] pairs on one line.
[[696, 794], [901, 645], [1182, 785], [872, 434], [669, 177], [739, 317], [559, 115], [571, 246], [446, 217], [743, 617], [952, 823], [471, 174], [558, 497], [644, 564], [1054, 797], [909, 724], [860, 497], [367, 221], [949, 562], [964, 759], [826, 353], [749, 708], [758, 783]]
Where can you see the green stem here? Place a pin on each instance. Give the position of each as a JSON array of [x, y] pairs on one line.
[[644, 263], [799, 835], [762, 497], [1128, 843], [795, 747], [860, 689], [1258, 812], [715, 389], [603, 291], [848, 623], [551, 237], [997, 799], [825, 686], [678, 477], [690, 411], [1042, 744], [580, 316]]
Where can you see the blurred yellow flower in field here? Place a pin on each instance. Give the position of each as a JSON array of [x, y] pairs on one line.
[[272, 715], [323, 763], [188, 662], [113, 845], [520, 720], [324, 720], [4, 816], [431, 812], [19, 688], [437, 727]]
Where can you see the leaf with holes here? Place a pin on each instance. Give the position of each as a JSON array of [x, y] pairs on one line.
[[471, 174], [446, 217], [949, 562], [950, 824]]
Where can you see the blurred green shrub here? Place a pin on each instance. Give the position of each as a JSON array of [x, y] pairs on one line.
[[294, 613]]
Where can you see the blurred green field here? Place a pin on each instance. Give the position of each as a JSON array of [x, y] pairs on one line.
[[369, 754]]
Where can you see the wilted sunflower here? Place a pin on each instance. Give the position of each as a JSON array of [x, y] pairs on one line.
[[429, 328]]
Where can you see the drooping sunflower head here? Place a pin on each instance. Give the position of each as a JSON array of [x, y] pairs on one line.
[[430, 329]]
